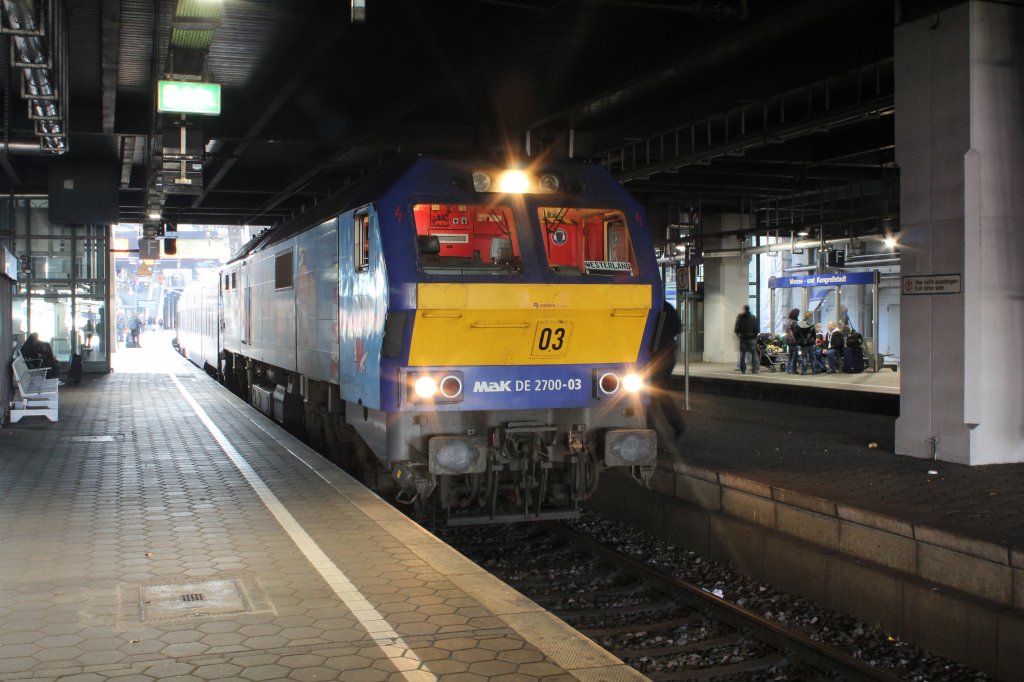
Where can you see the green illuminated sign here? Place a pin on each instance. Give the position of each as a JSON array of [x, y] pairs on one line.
[[188, 98]]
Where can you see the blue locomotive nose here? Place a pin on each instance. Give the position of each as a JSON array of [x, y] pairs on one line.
[[478, 335]]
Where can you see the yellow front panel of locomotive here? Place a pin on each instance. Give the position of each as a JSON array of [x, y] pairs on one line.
[[517, 324]]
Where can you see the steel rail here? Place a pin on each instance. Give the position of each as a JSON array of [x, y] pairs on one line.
[[813, 653]]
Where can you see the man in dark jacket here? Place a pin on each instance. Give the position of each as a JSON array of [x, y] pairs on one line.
[[663, 414], [747, 330], [836, 341]]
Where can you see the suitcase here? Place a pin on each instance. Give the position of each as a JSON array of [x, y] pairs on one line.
[[853, 360], [75, 369]]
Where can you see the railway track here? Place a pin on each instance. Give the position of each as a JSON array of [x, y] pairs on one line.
[[662, 626]]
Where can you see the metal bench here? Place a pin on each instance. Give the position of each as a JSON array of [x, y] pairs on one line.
[[37, 395]]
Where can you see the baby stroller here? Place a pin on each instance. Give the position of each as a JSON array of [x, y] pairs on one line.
[[772, 355]]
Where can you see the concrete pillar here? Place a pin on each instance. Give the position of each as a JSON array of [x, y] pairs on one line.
[[960, 148], [726, 290]]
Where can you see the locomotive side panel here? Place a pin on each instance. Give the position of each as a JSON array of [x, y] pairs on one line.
[[273, 305], [230, 314], [198, 322], [316, 295], [210, 341], [363, 292]]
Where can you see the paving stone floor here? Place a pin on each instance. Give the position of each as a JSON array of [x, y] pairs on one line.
[[134, 548]]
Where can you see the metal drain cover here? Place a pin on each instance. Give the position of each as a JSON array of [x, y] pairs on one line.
[[184, 600], [117, 438]]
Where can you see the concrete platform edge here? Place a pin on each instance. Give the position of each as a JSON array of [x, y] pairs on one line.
[[579, 656], [958, 596], [837, 398]]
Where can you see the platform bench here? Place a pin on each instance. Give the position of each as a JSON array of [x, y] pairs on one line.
[[37, 395]]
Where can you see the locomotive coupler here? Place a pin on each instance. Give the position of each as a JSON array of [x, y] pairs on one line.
[[414, 480]]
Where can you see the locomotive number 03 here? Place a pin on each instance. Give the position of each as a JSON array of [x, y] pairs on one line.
[[551, 338]]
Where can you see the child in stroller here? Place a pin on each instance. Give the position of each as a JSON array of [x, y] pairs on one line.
[[771, 351]]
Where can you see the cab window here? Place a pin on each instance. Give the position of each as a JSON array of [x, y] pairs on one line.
[[362, 242], [467, 239], [587, 241]]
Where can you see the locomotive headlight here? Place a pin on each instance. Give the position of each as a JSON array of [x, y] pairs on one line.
[[548, 183], [425, 387], [630, 447], [451, 386], [514, 182], [481, 181], [435, 386], [454, 455], [608, 383], [632, 382]]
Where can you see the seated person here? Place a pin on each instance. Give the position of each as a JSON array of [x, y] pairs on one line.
[[32, 349], [39, 354], [819, 352]]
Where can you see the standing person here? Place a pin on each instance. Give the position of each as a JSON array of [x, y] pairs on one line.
[[747, 330], [663, 411], [836, 343], [805, 339], [133, 328], [89, 330], [793, 350], [853, 353]]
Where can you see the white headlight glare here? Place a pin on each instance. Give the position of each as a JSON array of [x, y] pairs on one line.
[[514, 182], [632, 382], [425, 387]]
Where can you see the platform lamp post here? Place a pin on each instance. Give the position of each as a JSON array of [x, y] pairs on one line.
[[683, 290]]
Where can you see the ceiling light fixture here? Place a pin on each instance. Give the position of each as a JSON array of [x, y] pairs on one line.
[[889, 242], [154, 216]]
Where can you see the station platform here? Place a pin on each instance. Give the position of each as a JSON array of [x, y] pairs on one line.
[[813, 500], [868, 391], [163, 529]]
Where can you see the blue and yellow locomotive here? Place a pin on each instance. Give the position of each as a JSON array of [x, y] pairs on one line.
[[479, 332]]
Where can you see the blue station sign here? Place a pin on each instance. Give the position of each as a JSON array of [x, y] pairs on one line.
[[832, 280]]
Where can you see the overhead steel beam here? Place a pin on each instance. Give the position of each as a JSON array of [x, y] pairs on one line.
[[110, 28], [862, 94], [277, 91], [12, 174], [752, 40]]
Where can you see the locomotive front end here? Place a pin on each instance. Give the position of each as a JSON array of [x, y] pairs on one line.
[[521, 374]]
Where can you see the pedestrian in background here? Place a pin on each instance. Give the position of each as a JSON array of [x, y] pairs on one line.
[[747, 330], [805, 336], [663, 414], [793, 350]]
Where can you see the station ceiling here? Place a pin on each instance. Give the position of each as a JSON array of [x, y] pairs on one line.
[[783, 109]]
